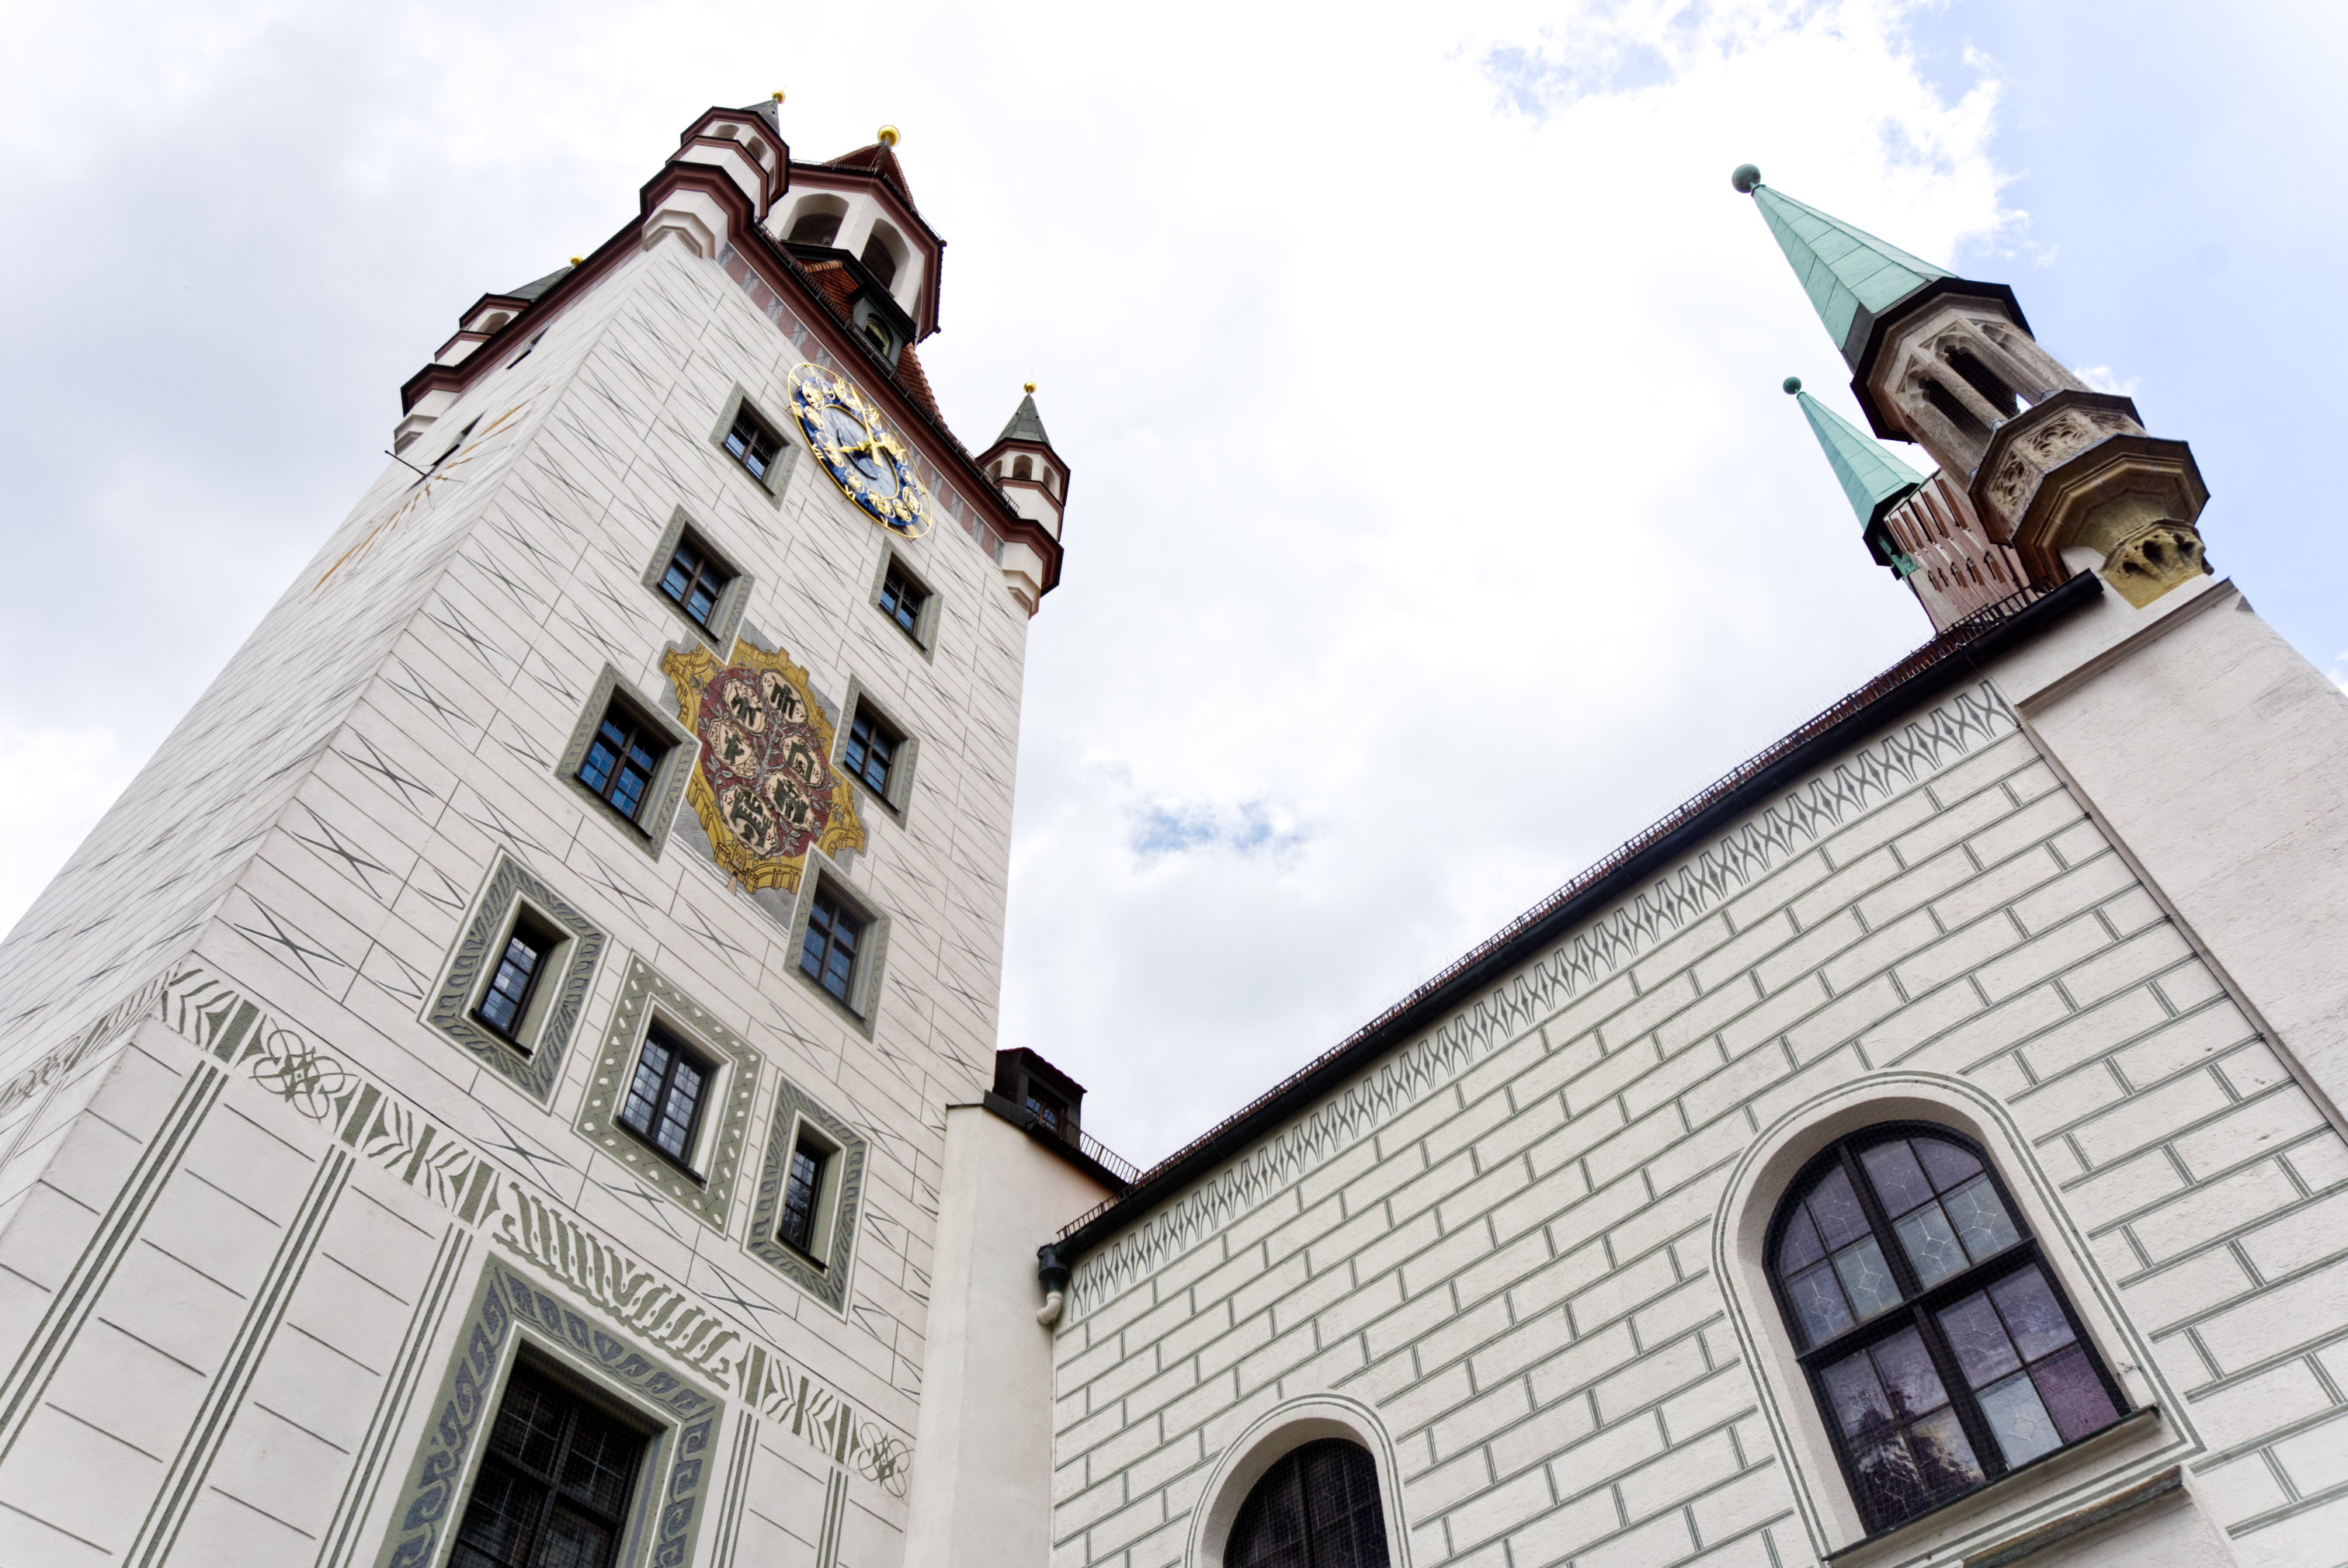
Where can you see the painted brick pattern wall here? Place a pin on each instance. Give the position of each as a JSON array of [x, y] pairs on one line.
[[347, 785], [1514, 1266]]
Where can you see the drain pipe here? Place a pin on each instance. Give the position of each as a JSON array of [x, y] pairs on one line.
[[1052, 1274]]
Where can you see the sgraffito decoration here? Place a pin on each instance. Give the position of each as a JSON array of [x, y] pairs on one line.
[[763, 786]]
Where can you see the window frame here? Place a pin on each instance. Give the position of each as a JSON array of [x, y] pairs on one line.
[[738, 406], [822, 1204], [655, 812], [896, 785], [835, 912], [924, 632], [822, 1274], [1918, 1308], [682, 1049], [1288, 1469], [726, 613], [581, 1399], [529, 1008]]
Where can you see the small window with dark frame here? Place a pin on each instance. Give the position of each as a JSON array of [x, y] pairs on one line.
[[803, 1197], [1316, 1507], [528, 950], [869, 752], [1937, 1344], [695, 578], [828, 953], [621, 761], [666, 1093], [753, 445], [903, 599], [554, 1484]]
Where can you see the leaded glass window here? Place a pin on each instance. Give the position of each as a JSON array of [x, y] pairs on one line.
[[1938, 1345], [828, 952], [621, 761], [902, 599], [665, 1094], [1316, 1507], [752, 443], [552, 1492]]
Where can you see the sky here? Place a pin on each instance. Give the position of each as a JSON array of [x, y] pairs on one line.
[[1435, 520]]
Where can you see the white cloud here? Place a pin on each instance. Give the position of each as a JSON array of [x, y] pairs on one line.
[[2100, 378], [58, 782]]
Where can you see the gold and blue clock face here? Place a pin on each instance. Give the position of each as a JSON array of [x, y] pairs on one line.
[[864, 458]]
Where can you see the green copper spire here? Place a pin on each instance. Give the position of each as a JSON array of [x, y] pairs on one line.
[[1026, 425], [1851, 276], [1872, 479]]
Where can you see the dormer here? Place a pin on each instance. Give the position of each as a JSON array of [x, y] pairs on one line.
[[1027, 469], [859, 211]]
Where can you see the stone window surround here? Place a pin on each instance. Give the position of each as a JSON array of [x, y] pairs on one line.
[[898, 802], [1271, 1436], [863, 1002], [924, 635], [725, 615], [657, 812], [827, 1280], [2153, 1437], [680, 1416], [535, 1065], [720, 1142], [777, 475]]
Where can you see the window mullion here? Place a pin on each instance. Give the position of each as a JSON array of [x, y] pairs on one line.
[[1895, 1256], [1986, 1453]]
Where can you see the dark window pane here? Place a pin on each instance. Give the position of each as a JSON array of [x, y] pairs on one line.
[[1980, 1216], [1867, 1279], [1930, 1245], [1906, 1368], [1948, 1166], [829, 950], [1315, 1508], [1978, 1340], [664, 1094], [1889, 1487], [1819, 1304], [796, 1226], [2019, 1420], [506, 1002], [2032, 1317], [1836, 1208], [1855, 1396], [1899, 1180], [1799, 1246], [1944, 1458], [901, 600], [2074, 1396], [552, 1492]]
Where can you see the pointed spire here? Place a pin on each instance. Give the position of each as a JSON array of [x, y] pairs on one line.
[[1851, 276], [1026, 425], [1872, 479]]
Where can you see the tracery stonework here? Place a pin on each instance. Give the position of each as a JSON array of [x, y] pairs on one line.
[[763, 785]]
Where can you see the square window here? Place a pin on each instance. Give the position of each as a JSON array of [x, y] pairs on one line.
[[869, 750], [828, 953], [695, 578], [528, 951], [754, 445], [621, 761], [554, 1484], [903, 599], [665, 1094]]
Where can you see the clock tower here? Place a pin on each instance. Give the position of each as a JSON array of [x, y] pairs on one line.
[[498, 1088]]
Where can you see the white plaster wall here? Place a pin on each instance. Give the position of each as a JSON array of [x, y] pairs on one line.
[[982, 1496], [1502, 1242]]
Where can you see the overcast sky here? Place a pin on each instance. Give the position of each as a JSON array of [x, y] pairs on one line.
[[1436, 521]]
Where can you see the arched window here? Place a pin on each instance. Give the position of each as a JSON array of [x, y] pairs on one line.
[[1940, 1347], [1317, 1507], [879, 256], [1023, 468]]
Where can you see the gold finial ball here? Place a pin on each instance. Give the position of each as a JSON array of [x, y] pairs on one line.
[[1031, 387], [888, 134], [778, 95], [576, 260]]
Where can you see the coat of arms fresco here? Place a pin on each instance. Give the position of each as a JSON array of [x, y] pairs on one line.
[[763, 786]]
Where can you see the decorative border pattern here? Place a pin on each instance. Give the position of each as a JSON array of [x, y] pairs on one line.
[[827, 1284], [469, 1391], [536, 1072], [710, 1200], [1960, 724], [215, 1016]]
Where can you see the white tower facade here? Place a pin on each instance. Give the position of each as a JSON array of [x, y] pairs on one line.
[[480, 1096]]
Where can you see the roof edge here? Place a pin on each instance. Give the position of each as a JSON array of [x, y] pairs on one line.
[[1916, 679]]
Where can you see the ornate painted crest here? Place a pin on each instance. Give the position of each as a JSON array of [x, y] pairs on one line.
[[763, 786]]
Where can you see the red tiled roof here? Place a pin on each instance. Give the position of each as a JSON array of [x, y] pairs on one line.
[[839, 291], [881, 160]]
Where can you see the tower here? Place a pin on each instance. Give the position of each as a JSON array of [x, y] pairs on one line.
[[487, 1083], [2065, 476]]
